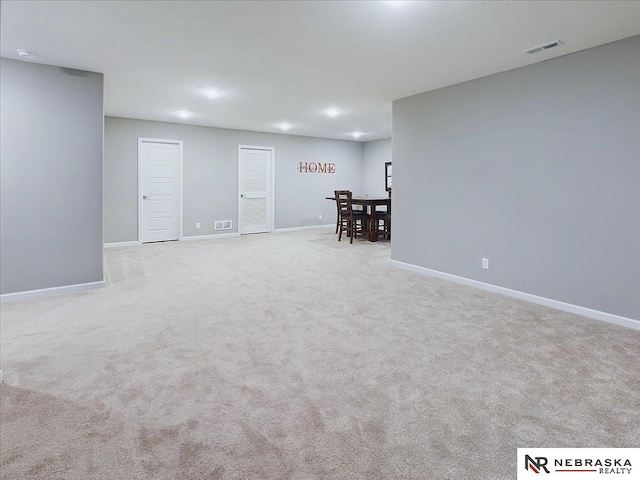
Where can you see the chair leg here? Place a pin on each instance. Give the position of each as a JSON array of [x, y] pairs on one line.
[[340, 235], [352, 230]]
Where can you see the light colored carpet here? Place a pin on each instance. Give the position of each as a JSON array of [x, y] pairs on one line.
[[293, 356]]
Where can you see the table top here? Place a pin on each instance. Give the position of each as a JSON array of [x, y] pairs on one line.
[[367, 200], [371, 201]]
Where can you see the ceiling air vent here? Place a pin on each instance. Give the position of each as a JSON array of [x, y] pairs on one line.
[[540, 48]]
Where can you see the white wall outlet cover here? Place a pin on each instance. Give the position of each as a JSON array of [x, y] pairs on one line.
[[197, 225], [485, 263], [319, 217]]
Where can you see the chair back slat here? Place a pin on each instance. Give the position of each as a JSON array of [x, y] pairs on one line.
[[343, 200]]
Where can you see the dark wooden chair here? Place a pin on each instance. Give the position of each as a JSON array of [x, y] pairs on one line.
[[356, 209], [384, 225], [353, 222], [383, 220], [337, 193]]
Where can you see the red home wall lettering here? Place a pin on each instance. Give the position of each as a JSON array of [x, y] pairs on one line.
[[314, 167]]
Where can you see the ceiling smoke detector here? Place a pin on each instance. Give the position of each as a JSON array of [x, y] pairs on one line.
[[540, 48], [26, 53]]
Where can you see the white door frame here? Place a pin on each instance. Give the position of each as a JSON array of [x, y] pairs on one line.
[[273, 184], [180, 183]]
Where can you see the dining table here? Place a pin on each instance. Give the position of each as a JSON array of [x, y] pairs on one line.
[[369, 205]]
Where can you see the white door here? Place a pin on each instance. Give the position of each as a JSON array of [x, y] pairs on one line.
[[159, 190], [255, 189]]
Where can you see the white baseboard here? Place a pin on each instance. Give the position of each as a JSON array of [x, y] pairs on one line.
[[46, 292], [298, 229], [209, 237], [120, 244], [567, 307], [219, 235]]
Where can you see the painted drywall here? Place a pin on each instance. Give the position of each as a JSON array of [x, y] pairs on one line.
[[51, 176], [537, 169], [211, 179], [376, 154]]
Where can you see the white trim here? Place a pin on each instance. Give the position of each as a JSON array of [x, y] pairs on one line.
[[121, 244], [273, 188], [298, 229], [548, 302], [104, 126], [46, 292], [273, 184], [181, 193], [181, 183], [209, 237]]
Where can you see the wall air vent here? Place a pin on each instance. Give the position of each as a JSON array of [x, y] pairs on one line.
[[222, 225], [540, 48]]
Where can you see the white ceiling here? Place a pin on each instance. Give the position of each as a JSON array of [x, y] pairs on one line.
[[276, 62]]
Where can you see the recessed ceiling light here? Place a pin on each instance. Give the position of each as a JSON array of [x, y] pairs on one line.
[[332, 112], [285, 126], [26, 53], [211, 93], [183, 114], [357, 134]]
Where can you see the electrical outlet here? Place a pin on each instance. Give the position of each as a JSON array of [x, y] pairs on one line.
[[485, 263], [198, 225], [319, 217]]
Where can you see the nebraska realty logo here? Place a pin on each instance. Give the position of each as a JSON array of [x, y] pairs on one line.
[[581, 463]]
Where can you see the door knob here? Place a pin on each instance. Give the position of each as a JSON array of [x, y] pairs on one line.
[[144, 197], [241, 196]]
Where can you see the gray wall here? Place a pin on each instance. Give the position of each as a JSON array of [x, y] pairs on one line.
[[210, 175], [537, 169], [51, 176], [376, 154]]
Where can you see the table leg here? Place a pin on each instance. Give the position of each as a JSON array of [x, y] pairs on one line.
[[373, 225]]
